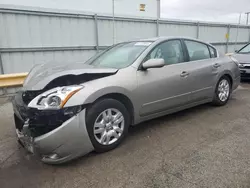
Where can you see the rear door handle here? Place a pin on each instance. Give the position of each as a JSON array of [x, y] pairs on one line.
[[216, 65], [184, 74]]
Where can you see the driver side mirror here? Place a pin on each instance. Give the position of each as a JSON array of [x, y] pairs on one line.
[[153, 63]]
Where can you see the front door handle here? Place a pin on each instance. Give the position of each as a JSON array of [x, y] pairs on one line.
[[216, 65], [184, 74]]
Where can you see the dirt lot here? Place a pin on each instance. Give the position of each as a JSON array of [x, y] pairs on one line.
[[202, 147]]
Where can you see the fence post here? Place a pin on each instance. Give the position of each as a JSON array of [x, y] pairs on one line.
[[1, 65], [4, 90], [96, 33], [157, 28], [198, 30], [228, 36], [249, 34]]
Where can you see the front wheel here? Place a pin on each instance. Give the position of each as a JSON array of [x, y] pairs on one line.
[[222, 91], [107, 124]]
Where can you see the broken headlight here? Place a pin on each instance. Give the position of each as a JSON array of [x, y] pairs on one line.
[[55, 98]]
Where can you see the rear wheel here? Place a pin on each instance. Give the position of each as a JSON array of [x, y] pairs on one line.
[[222, 92], [107, 124]]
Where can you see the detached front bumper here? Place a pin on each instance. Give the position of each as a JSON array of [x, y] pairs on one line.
[[64, 143]]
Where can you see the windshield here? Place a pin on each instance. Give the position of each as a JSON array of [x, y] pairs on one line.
[[245, 49], [121, 55]]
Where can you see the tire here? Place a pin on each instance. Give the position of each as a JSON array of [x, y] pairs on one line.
[[95, 114], [217, 100]]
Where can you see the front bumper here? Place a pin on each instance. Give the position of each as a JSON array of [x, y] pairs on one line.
[[245, 73], [64, 143]]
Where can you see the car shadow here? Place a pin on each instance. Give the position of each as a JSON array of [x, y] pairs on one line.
[[171, 117]]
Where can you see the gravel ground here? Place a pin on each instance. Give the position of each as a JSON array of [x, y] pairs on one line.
[[204, 146]]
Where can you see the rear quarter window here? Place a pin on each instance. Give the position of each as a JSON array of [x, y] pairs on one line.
[[197, 51], [212, 52]]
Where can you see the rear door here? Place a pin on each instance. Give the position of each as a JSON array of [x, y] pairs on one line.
[[203, 69]]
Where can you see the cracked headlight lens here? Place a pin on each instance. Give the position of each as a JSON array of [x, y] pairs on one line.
[[55, 98], [54, 101]]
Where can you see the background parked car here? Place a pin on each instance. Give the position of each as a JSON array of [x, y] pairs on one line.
[[243, 57]]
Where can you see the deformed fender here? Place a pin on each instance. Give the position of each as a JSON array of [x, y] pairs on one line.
[[118, 83]]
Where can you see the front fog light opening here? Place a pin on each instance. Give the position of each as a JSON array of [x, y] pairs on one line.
[[53, 156], [72, 110], [241, 65]]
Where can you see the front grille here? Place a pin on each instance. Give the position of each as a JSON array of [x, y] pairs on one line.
[[245, 75], [246, 66], [28, 96], [42, 122]]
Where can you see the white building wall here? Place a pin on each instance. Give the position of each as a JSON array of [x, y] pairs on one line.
[[122, 7], [36, 35]]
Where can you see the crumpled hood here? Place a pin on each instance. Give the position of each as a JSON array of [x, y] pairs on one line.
[[242, 58], [43, 74]]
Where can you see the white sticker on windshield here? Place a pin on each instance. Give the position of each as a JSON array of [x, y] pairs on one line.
[[143, 43]]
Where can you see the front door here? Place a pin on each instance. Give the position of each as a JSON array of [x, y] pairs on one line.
[[161, 89]]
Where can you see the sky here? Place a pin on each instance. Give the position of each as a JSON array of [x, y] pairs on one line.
[[203, 10], [206, 10]]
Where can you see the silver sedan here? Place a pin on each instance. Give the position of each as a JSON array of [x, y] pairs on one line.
[[243, 57], [68, 110]]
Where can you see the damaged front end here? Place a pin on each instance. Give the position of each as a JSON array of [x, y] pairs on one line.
[[43, 97], [34, 128], [48, 129], [44, 111], [44, 125], [43, 121], [55, 136]]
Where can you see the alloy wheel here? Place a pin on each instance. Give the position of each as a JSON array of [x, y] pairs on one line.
[[223, 90], [109, 126]]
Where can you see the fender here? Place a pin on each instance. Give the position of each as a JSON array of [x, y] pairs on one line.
[[88, 96], [222, 74], [118, 83]]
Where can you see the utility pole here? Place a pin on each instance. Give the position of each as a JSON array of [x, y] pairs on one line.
[[237, 32], [247, 13], [158, 9], [113, 13]]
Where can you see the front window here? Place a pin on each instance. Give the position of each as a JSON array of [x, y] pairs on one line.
[[171, 51], [245, 49], [121, 55]]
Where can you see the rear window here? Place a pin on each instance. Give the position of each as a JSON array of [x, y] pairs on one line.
[[197, 51], [212, 52]]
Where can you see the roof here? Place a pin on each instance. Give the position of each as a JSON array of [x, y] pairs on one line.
[[162, 38]]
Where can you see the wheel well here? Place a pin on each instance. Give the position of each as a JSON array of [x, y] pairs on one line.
[[124, 100], [230, 79]]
